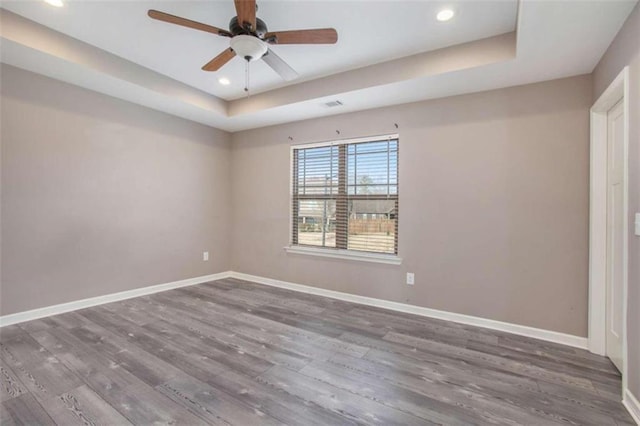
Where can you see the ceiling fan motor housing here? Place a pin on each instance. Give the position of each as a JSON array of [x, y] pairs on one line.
[[248, 47], [236, 29]]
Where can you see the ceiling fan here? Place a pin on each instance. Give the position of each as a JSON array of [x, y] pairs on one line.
[[250, 38]]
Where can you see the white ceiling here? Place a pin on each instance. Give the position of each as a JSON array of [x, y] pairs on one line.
[[369, 32], [554, 39]]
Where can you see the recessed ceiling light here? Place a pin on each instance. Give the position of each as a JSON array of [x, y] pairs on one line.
[[56, 3], [445, 15], [224, 81]]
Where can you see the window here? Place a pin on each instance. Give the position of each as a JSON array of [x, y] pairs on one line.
[[345, 195]]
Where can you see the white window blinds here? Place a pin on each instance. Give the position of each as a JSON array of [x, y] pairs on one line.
[[345, 195]]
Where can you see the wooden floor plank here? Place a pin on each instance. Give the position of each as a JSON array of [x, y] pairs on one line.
[[351, 405], [282, 406], [507, 396], [23, 410], [37, 369], [241, 344], [194, 363], [8, 332], [221, 352], [266, 331], [442, 330], [428, 346], [10, 385], [212, 404], [82, 406], [440, 408], [231, 352]]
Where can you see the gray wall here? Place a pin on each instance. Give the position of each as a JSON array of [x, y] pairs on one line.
[[100, 195], [493, 211], [625, 50]]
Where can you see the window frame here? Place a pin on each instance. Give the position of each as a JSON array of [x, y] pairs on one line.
[[341, 253]]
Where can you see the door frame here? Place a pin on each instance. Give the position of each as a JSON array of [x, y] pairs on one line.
[[617, 90]]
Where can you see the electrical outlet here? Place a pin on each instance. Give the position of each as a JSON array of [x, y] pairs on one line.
[[205, 256], [410, 278], [638, 224]]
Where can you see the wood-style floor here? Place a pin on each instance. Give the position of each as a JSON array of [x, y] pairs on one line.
[[233, 352]]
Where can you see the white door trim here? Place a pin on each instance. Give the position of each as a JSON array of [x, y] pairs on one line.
[[617, 90]]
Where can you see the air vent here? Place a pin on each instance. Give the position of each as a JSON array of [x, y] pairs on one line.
[[333, 104]]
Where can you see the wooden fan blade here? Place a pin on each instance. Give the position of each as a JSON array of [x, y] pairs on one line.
[[246, 10], [216, 63], [280, 66], [172, 19], [319, 36]]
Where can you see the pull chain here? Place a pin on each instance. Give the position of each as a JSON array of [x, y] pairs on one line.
[[246, 79]]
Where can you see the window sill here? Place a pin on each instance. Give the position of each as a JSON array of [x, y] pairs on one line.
[[388, 259]]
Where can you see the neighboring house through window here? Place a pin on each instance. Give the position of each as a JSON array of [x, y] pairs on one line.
[[345, 195]]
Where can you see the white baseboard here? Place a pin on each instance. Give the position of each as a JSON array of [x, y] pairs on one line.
[[537, 333], [522, 330], [100, 300], [632, 405]]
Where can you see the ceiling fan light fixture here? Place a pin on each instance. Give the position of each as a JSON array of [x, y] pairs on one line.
[[224, 81], [445, 15], [248, 47]]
